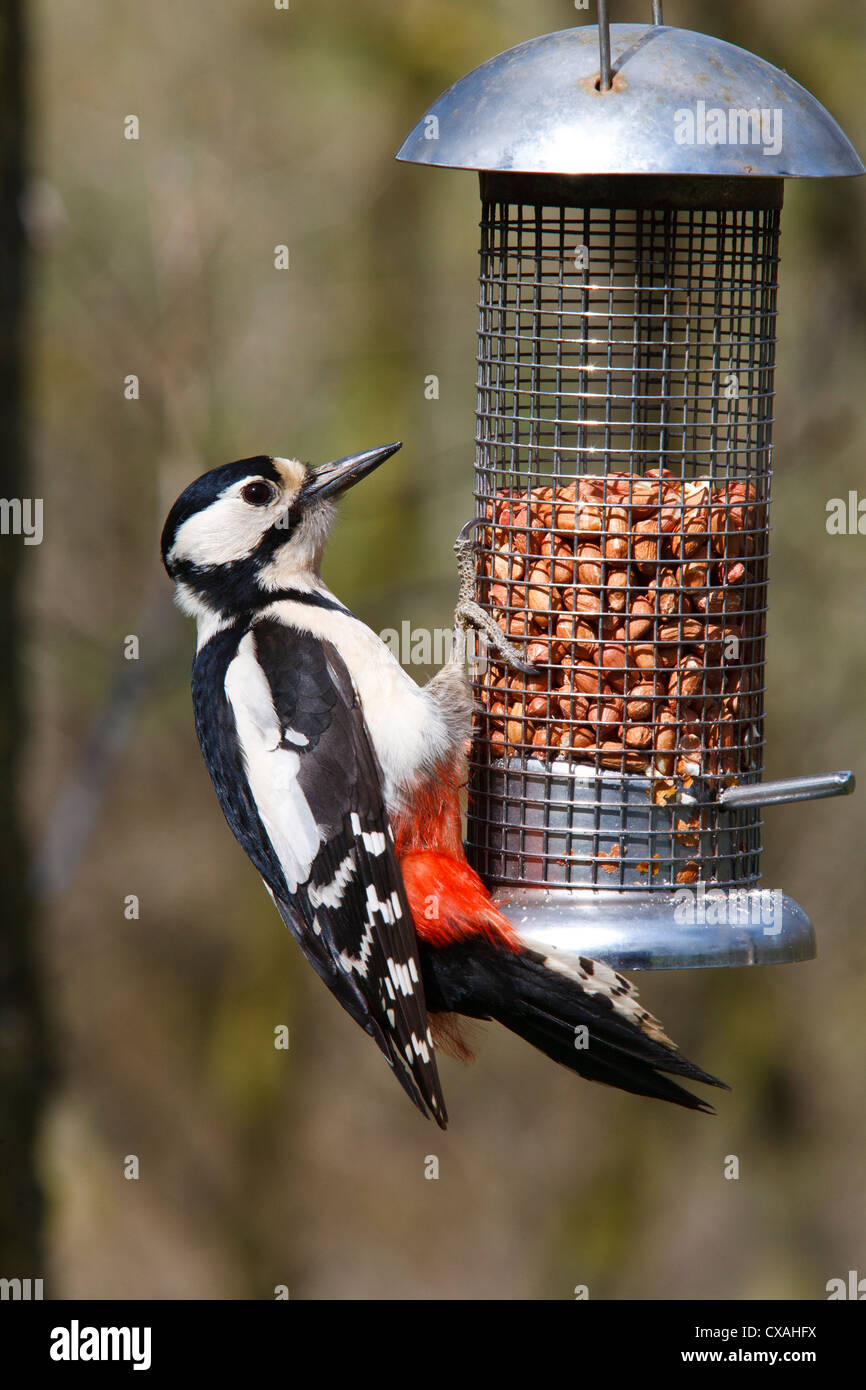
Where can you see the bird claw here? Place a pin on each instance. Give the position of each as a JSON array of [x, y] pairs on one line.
[[465, 547], [469, 614]]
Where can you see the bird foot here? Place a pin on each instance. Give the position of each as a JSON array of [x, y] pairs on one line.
[[470, 615]]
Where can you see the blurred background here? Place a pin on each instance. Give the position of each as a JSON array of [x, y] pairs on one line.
[[152, 1035]]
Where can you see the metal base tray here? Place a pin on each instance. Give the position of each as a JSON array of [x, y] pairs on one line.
[[662, 931]]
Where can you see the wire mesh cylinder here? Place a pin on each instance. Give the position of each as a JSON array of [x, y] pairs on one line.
[[623, 463]]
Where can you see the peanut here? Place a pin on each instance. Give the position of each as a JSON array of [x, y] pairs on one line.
[[641, 619], [627, 589], [640, 702]]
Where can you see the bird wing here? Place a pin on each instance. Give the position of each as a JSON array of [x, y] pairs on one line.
[[300, 785]]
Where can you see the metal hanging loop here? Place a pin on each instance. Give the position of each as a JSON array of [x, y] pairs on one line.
[[605, 74], [604, 80]]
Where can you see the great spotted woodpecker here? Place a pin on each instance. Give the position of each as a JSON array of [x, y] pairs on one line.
[[340, 777]]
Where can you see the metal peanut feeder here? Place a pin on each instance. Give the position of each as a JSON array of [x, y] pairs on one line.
[[631, 186]]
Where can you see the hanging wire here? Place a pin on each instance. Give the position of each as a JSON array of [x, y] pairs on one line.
[[603, 46]]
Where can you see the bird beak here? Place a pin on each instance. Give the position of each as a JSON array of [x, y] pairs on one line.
[[334, 478]]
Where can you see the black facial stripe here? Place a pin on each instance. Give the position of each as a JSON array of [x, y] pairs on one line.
[[230, 588], [309, 597], [233, 588]]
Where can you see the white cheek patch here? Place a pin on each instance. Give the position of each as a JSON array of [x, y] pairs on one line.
[[272, 771], [229, 529]]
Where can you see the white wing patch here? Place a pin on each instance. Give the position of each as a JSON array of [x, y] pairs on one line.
[[422, 1048], [401, 977], [388, 913], [331, 894], [374, 840], [272, 771], [359, 962]]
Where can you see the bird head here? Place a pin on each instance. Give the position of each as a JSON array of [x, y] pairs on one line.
[[241, 533]]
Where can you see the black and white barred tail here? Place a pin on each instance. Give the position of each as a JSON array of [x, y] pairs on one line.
[[581, 1014]]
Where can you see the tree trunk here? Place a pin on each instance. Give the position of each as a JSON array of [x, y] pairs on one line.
[[23, 1077]]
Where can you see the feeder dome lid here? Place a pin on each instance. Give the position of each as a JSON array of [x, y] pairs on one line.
[[536, 109]]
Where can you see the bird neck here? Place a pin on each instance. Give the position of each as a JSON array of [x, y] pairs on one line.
[[227, 594]]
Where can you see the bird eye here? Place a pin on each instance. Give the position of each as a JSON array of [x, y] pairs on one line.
[[257, 494]]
